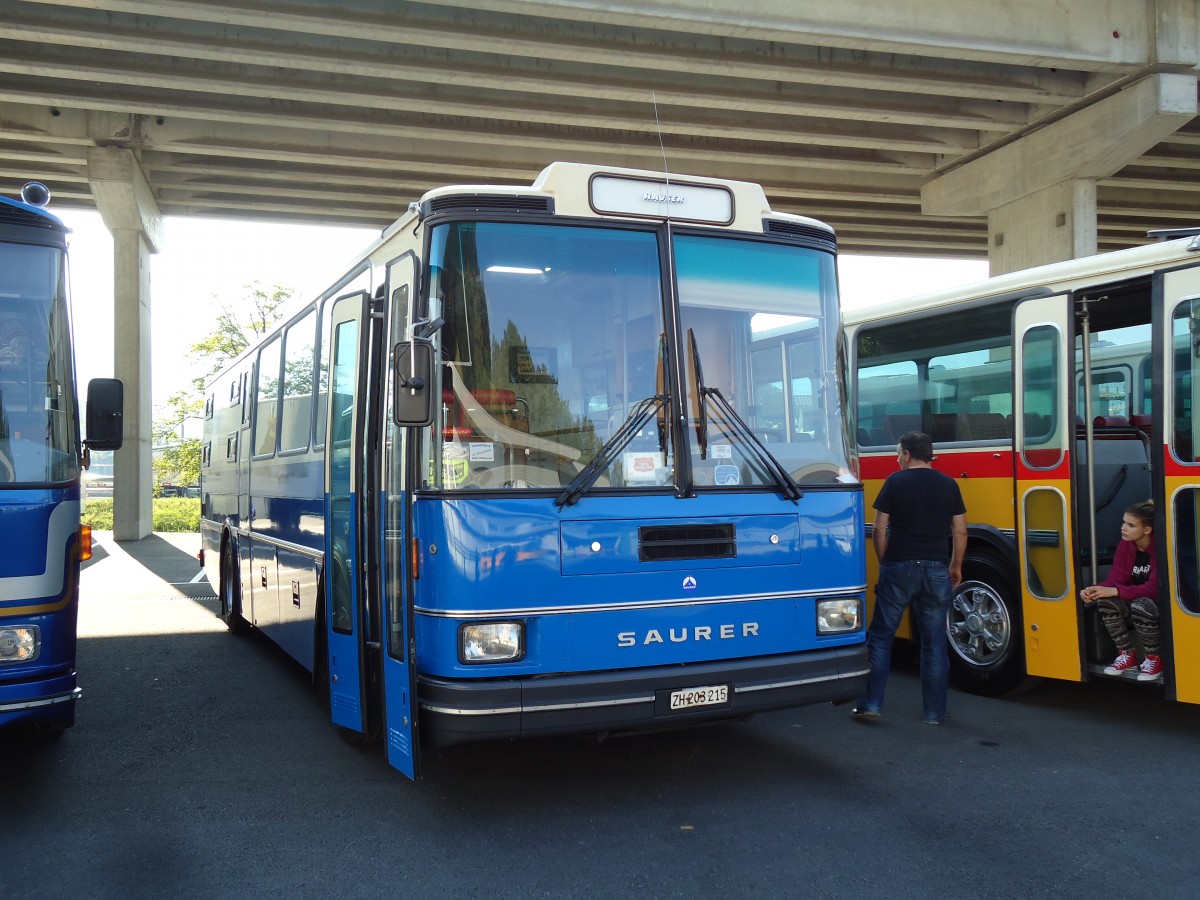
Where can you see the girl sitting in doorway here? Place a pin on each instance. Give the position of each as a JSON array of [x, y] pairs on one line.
[[1130, 594]]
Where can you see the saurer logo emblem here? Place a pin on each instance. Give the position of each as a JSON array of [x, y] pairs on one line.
[[687, 635]]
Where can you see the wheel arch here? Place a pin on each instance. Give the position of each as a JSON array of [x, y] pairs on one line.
[[990, 540]]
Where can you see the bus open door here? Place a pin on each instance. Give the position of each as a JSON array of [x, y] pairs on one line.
[[358, 684], [1179, 591], [1044, 429]]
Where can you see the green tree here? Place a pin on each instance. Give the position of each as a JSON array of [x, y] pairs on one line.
[[238, 325], [178, 459]]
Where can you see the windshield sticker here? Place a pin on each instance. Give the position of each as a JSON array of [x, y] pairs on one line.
[[483, 452], [640, 467], [727, 475], [454, 464], [722, 451]]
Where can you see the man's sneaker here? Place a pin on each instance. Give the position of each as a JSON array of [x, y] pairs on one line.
[[861, 712], [1151, 669], [1123, 663]]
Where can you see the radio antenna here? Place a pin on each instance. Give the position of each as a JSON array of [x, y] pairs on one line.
[[661, 145]]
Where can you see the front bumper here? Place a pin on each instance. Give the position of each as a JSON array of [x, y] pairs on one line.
[[49, 701], [458, 710]]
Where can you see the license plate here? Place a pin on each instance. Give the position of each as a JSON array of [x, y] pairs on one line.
[[700, 696]]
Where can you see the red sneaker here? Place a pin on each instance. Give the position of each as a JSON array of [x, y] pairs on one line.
[[1123, 663], [1151, 669]]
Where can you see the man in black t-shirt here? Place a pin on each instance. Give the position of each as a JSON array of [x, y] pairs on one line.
[[920, 537]]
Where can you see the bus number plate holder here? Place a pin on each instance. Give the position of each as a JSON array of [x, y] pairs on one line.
[[689, 698]]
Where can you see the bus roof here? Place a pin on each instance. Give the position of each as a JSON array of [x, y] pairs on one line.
[[574, 189], [14, 212], [1053, 278]]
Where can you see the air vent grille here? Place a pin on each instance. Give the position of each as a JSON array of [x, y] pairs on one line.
[[16, 215], [490, 202], [671, 542], [809, 235]]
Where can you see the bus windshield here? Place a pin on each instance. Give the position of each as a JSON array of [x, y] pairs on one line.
[[552, 335], [555, 336], [38, 440], [765, 321]]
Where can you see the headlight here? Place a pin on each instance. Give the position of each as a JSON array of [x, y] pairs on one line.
[[488, 642], [835, 616], [20, 643]]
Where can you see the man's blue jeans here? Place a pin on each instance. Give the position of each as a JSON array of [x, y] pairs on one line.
[[925, 584]]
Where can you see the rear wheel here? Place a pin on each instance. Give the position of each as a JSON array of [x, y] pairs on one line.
[[231, 595], [983, 627]]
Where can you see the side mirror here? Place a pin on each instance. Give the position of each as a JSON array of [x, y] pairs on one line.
[[105, 413], [412, 383]]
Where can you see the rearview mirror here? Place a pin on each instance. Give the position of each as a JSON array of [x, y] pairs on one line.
[[105, 413], [412, 383]]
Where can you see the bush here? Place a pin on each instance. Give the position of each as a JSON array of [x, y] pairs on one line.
[[99, 514], [169, 514], [176, 514]]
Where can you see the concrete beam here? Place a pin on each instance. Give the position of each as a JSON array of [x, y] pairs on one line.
[[1110, 35], [130, 212], [1092, 143]]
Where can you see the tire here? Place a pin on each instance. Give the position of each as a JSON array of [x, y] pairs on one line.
[[231, 595], [983, 629]]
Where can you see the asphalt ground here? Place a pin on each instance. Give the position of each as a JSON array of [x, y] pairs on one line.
[[202, 765]]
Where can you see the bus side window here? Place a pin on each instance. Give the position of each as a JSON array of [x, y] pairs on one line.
[[266, 416], [1186, 511], [295, 415], [989, 426]]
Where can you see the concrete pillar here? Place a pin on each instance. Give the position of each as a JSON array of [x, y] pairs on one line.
[[130, 212], [1055, 223], [1039, 191]]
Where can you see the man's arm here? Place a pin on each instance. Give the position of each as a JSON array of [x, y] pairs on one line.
[[960, 549], [879, 534]]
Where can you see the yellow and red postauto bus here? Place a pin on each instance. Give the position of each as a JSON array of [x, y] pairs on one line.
[[1056, 397]]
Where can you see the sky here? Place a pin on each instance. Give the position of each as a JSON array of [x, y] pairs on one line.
[[205, 264]]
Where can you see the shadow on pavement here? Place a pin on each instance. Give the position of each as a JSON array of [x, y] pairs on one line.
[[164, 557], [99, 554]]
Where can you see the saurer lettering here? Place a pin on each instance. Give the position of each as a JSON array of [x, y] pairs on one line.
[[687, 635]]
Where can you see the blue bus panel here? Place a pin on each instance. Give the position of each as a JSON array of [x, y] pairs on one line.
[[39, 605]]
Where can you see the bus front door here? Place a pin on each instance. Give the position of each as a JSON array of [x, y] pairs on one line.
[[348, 623], [1179, 502], [399, 651], [1044, 430]]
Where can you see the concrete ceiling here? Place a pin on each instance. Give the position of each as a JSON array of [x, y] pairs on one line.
[[342, 111]]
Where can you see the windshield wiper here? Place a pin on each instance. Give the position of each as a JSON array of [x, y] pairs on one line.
[[774, 468], [634, 423]]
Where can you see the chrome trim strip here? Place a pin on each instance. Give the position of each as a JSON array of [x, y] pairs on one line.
[[548, 707], [554, 707], [45, 701], [784, 684], [640, 604], [255, 537]]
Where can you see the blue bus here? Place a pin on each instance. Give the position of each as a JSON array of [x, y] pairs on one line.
[[41, 457], [531, 467]]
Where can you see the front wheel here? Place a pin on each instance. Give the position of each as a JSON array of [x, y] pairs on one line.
[[983, 627], [231, 600]]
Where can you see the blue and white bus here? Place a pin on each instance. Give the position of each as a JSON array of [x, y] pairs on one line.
[[530, 467], [41, 457]]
